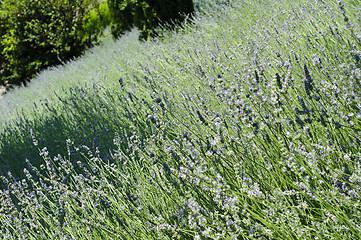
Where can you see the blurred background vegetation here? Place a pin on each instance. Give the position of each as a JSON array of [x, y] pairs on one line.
[[37, 34]]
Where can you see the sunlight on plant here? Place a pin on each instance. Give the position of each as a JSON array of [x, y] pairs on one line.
[[242, 125]]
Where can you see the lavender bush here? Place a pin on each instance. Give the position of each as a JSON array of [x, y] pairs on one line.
[[244, 125]]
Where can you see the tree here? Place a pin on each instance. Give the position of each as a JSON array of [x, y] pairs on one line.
[[147, 15], [36, 34]]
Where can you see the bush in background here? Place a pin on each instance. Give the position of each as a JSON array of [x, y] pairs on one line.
[[3, 30], [147, 15], [37, 34], [96, 20]]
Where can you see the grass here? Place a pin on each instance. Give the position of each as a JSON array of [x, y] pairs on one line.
[[242, 125]]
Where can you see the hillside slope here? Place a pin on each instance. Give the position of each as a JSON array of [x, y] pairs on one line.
[[243, 125]]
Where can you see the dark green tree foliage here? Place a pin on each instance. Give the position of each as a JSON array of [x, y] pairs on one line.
[[147, 15], [121, 15], [3, 29], [36, 34]]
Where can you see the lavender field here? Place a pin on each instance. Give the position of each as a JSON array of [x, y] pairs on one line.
[[244, 124]]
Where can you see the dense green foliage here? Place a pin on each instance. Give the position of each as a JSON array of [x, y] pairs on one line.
[[3, 29], [244, 125], [36, 34], [147, 15], [97, 19]]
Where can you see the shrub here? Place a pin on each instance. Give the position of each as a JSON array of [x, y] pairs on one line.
[[3, 30], [121, 15], [96, 20], [37, 34], [147, 15]]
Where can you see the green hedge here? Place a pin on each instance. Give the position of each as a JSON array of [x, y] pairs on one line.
[[147, 15], [4, 26], [36, 34]]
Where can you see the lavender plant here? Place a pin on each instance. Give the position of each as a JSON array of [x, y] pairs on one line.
[[243, 125]]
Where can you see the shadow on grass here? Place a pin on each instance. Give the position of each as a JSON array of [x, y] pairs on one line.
[[85, 118]]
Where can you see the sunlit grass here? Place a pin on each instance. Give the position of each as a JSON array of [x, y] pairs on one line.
[[243, 125]]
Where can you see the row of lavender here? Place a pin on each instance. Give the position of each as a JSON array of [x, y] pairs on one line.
[[245, 127]]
